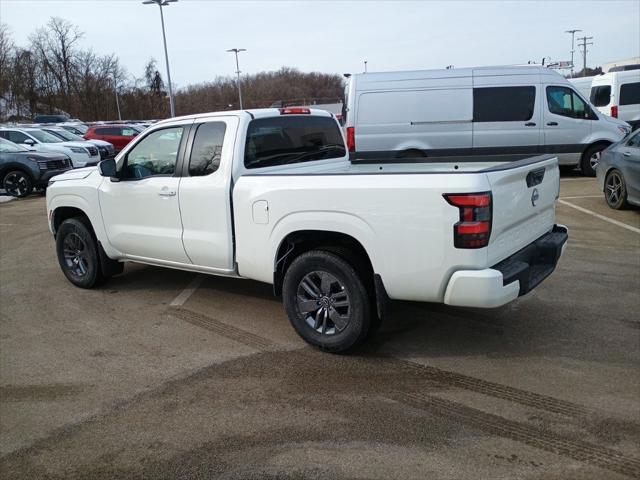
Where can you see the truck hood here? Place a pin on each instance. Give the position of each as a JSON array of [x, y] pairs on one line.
[[76, 174]]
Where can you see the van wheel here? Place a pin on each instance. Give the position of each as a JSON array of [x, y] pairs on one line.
[[17, 183], [590, 159], [327, 301], [78, 254]]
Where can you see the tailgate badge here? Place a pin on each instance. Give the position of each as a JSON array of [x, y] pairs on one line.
[[534, 196]]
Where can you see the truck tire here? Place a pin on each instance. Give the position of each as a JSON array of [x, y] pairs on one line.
[[327, 301], [77, 252], [590, 159], [17, 183]]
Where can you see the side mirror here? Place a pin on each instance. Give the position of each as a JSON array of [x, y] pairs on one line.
[[29, 142], [108, 168]]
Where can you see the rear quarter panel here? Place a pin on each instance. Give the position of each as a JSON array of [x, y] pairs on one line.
[[402, 221]]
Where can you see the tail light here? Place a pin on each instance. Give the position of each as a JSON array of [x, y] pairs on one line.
[[474, 228], [351, 139], [614, 111], [294, 111]]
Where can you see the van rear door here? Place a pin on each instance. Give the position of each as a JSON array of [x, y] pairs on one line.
[[524, 196]]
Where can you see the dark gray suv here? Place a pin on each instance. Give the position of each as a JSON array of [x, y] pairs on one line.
[[22, 170]]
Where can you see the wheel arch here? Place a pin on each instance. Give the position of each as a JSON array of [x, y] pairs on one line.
[[339, 243]]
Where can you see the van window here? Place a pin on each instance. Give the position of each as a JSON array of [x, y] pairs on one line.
[[600, 95], [503, 104], [630, 93], [566, 102], [207, 149], [414, 106], [292, 139]]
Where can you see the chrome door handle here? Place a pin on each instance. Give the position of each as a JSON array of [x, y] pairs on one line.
[[626, 154], [166, 193]]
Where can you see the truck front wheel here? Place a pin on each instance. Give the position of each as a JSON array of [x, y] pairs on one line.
[[78, 254], [327, 301]]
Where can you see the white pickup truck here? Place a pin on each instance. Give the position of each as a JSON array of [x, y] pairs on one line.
[[271, 195]]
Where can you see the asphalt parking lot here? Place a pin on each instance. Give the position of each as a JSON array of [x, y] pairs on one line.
[[165, 374]]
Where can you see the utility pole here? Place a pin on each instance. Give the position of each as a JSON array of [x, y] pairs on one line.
[[573, 45], [236, 51], [584, 45], [365, 66]]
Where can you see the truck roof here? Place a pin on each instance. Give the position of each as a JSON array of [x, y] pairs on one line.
[[253, 113]]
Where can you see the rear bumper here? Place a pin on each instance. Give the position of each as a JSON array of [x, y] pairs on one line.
[[513, 277]]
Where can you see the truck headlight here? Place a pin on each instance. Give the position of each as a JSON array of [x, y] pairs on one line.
[[625, 130], [78, 150]]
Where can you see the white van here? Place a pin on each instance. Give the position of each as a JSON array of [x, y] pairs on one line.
[[618, 94], [502, 112], [583, 85]]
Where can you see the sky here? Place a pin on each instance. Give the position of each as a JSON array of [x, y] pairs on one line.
[[336, 36]]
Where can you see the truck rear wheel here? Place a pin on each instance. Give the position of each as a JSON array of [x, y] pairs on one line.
[[78, 254], [327, 301]]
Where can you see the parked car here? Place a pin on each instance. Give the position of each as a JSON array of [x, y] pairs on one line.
[[22, 170], [619, 172], [50, 118], [81, 154], [105, 149], [118, 135], [271, 195], [618, 94], [507, 112]]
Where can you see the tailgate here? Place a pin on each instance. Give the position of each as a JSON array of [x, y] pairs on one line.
[[524, 199]]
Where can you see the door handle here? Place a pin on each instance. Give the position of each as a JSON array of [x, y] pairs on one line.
[[626, 154], [530, 124], [552, 124], [167, 193]]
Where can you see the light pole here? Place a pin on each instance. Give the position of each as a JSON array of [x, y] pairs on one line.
[[365, 66], [573, 45], [115, 88], [164, 3], [236, 51]]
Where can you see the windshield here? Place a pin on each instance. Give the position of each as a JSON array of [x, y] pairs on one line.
[[77, 128], [65, 135], [9, 147], [44, 137]]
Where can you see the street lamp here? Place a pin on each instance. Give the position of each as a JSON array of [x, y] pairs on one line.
[[164, 3], [573, 44], [236, 51]]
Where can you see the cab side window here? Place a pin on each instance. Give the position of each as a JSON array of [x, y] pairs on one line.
[[207, 149], [155, 155], [634, 141], [564, 101], [15, 137]]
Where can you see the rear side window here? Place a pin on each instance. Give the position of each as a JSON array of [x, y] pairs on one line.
[[630, 93], [207, 149], [503, 104], [108, 131], [600, 96], [293, 139]]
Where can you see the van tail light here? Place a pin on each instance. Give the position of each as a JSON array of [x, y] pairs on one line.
[[614, 111], [294, 111], [351, 139], [474, 228]]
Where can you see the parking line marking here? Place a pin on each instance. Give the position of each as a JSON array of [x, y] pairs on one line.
[[601, 217], [187, 292], [582, 196], [574, 179]]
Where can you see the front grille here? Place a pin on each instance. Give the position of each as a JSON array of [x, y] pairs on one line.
[[54, 164], [93, 151]]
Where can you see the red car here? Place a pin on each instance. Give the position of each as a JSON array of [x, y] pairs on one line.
[[118, 135]]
